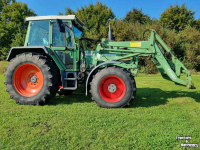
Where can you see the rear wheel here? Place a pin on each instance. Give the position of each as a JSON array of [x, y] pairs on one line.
[[31, 79], [112, 88]]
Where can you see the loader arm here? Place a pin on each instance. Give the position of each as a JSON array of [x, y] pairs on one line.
[[128, 52]]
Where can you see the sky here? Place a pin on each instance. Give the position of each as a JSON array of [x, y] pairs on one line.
[[120, 7]]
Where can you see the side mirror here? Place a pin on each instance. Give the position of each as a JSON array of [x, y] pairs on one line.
[[60, 25]]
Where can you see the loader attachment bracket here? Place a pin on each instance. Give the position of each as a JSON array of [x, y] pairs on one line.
[[170, 69]]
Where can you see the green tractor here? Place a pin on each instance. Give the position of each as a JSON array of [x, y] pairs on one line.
[[55, 59]]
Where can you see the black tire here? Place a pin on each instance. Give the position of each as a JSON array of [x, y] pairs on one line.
[[65, 92], [119, 73], [50, 79], [134, 85]]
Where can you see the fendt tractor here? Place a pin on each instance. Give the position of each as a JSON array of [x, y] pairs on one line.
[[55, 59]]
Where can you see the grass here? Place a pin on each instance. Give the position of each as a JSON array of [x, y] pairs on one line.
[[3, 65], [160, 112]]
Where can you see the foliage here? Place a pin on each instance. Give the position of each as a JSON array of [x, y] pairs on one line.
[[161, 111], [137, 16], [5, 3], [176, 17], [12, 25], [189, 41], [197, 24]]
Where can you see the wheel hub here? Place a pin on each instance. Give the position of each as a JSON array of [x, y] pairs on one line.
[[112, 88], [28, 80], [33, 79]]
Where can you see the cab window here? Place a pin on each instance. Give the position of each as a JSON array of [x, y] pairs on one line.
[[59, 38], [79, 34], [39, 33]]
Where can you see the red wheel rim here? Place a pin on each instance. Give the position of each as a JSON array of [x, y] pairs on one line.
[[112, 89], [28, 80]]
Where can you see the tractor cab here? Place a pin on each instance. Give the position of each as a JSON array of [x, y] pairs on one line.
[[61, 34]]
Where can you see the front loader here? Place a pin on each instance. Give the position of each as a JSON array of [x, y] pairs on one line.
[[55, 59]]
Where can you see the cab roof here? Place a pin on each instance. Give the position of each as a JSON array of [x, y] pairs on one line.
[[61, 17]]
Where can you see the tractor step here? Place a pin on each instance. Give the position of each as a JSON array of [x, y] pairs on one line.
[[70, 88], [69, 80]]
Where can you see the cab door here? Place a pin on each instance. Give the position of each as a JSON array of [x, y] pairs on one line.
[[63, 46]]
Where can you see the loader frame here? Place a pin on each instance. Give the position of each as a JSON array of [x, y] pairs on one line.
[[128, 53]]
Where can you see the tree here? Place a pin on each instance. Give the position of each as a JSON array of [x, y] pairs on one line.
[[12, 25], [176, 17], [95, 17], [189, 42], [5, 3], [136, 15], [197, 24]]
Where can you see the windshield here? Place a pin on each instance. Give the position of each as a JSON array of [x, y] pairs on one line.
[[39, 34]]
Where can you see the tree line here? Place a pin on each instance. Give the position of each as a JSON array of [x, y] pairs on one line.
[[176, 26]]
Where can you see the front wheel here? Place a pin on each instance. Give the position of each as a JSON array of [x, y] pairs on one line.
[[112, 88]]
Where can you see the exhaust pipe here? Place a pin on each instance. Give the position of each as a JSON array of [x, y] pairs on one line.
[[110, 35]]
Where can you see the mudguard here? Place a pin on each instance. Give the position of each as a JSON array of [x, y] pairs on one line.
[[89, 76], [18, 50]]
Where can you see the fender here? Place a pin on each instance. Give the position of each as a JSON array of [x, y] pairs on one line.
[[105, 63], [18, 50]]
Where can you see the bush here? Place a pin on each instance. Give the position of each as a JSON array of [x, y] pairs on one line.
[[189, 39]]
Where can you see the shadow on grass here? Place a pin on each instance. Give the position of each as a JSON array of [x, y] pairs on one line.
[[77, 96], [145, 97]]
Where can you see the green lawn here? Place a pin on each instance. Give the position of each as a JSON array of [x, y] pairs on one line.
[[160, 112]]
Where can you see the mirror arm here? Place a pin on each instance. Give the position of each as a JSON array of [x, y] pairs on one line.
[[65, 41], [65, 25]]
